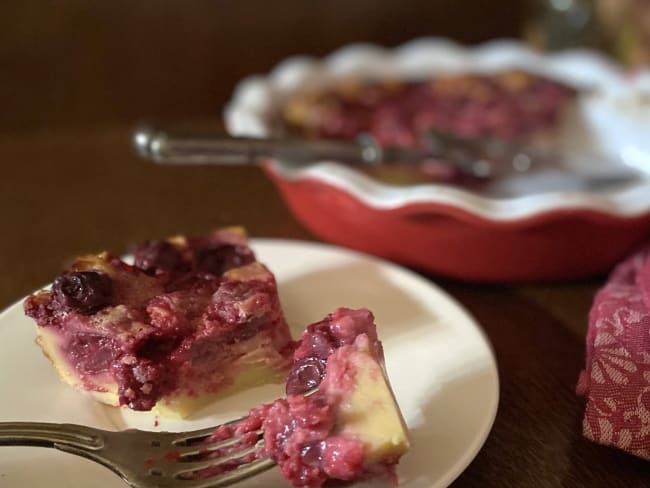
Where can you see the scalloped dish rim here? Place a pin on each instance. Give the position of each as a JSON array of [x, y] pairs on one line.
[[250, 110]]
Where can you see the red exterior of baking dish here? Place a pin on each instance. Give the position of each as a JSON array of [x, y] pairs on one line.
[[445, 240]]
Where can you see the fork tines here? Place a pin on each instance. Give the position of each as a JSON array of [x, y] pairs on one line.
[[196, 461]]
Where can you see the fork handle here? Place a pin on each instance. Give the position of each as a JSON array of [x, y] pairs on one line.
[[49, 435]]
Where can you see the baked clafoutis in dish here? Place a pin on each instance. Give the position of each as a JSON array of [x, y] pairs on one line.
[[339, 420], [509, 104], [191, 319]]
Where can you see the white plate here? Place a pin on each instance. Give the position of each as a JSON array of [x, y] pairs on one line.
[[440, 364]]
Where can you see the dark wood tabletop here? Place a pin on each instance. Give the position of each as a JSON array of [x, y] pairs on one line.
[[74, 81]]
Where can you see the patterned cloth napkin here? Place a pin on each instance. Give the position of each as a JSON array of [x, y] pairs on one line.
[[616, 380]]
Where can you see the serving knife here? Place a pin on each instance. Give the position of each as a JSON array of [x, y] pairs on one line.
[[482, 158]]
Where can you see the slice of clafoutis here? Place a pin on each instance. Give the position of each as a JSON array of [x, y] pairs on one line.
[[340, 420], [193, 319]]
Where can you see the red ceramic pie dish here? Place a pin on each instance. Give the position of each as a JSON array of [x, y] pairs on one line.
[[451, 231], [443, 239]]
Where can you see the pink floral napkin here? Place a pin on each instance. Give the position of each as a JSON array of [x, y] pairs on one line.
[[616, 380]]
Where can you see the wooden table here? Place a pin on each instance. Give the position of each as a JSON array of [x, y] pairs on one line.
[[74, 191]]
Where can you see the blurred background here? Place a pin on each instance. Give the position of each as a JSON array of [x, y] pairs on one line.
[[79, 62], [77, 75]]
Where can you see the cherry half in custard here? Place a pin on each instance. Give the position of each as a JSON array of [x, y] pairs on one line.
[[84, 292], [157, 256]]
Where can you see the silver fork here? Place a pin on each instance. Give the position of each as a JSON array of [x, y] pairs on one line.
[[145, 459]]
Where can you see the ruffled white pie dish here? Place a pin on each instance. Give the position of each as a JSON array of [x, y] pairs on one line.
[[450, 230]]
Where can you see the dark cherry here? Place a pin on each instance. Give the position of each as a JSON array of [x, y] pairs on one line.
[[152, 256], [157, 348], [217, 260], [85, 292], [312, 453], [320, 344], [305, 376]]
